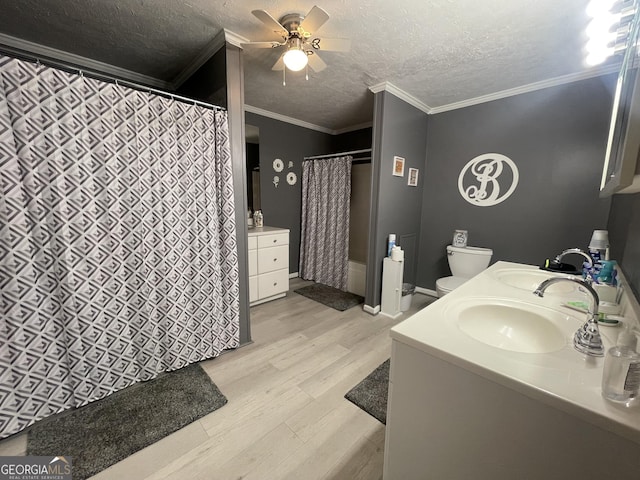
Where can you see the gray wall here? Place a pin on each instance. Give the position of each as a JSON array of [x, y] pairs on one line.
[[208, 83], [235, 109], [355, 140], [399, 129], [221, 81], [624, 235], [281, 206], [557, 139]]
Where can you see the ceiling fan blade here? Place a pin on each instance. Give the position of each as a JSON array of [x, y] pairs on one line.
[[316, 63], [271, 23], [279, 65], [331, 44], [261, 44], [314, 19]]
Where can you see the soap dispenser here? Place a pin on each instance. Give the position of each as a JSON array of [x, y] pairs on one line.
[[621, 376]]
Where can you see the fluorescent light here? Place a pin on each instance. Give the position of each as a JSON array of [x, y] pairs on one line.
[[601, 37], [599, 7], [601, 25]]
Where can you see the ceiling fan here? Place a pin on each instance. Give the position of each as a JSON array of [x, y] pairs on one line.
[[297, 34]]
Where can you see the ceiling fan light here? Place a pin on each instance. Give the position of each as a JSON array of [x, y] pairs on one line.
[[295, 59]]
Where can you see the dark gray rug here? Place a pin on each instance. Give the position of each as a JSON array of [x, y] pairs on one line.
[[104, 432], [331, 297], [371, 393]]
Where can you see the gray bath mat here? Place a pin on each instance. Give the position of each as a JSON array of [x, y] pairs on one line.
[[104, 432], [331, 297], [371, 393]]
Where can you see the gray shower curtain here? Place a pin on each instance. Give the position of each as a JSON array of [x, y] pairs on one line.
[[324, 243], [118, 255]]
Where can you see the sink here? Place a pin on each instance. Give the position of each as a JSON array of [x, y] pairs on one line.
[[530, 279], [515, 326]]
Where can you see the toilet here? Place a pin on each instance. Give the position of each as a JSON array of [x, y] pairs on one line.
[[464, 262]]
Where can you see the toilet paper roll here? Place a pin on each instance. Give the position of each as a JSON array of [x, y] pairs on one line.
[[397, 254]]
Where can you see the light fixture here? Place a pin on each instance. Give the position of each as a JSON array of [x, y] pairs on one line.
[[608, 29], [295, 58]]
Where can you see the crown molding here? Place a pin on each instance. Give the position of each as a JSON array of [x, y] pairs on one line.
[[220, 40], [531, 87], [300, 123], [20, 46], [205, 54], [284, 118], [352, 128], [402, 95], [234, 39]]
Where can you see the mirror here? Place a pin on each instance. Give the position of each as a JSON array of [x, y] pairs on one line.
[[252, 139], [619, 174]]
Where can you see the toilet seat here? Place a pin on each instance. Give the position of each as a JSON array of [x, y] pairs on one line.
[[446, 284]]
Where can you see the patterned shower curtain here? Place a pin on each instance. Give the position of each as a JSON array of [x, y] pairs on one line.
[[324, 242], [118, 252]]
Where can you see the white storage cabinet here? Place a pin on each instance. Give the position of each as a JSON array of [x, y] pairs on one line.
[[268, 264]]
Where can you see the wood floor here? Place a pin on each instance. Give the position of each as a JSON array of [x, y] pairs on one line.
[[286, 416]]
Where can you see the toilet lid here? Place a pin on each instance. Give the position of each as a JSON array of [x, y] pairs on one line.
[[450, 283]]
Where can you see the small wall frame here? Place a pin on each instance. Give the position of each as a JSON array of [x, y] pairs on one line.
[[412, 179], [398, 167]]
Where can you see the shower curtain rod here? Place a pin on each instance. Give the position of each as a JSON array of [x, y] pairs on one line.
[[353, 152], [30, 57]]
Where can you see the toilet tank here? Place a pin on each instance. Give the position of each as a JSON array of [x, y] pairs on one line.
[[466, 262]]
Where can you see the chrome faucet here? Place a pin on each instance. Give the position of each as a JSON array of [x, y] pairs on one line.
[[587, 339], [576, 251]]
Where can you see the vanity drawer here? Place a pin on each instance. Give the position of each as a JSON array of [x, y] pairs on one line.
[[253, 262], [273, 283], [265, 241], [252, 243], [271, 259]]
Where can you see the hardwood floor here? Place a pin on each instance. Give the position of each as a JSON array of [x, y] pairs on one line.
[[287, 417]]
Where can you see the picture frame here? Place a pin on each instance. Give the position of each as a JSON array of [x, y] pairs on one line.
[[398, 167], [412, 179]]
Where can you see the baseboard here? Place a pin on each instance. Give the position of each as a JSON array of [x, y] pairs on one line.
[[372, 310], [427, 291], [294, 275]]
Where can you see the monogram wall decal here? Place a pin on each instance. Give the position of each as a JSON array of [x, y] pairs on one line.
[[484, 179]]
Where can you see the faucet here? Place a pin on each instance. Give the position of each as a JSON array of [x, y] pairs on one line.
[[578, 251], [587, 339]]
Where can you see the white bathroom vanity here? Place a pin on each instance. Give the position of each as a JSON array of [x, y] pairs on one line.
[[268, 264], [485, 384]]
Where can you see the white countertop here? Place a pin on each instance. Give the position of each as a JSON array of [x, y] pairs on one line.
[[255, 231], [564, 379]]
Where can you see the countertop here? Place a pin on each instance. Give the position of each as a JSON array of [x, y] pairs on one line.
[[564, 379], [255, 231]]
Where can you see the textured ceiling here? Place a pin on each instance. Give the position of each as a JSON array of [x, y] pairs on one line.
[[438, 51]]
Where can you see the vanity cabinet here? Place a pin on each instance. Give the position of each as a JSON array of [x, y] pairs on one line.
[[460, 407], [268, 264]]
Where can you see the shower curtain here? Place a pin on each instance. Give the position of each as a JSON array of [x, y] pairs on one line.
[[324, 243], [118, 252]]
